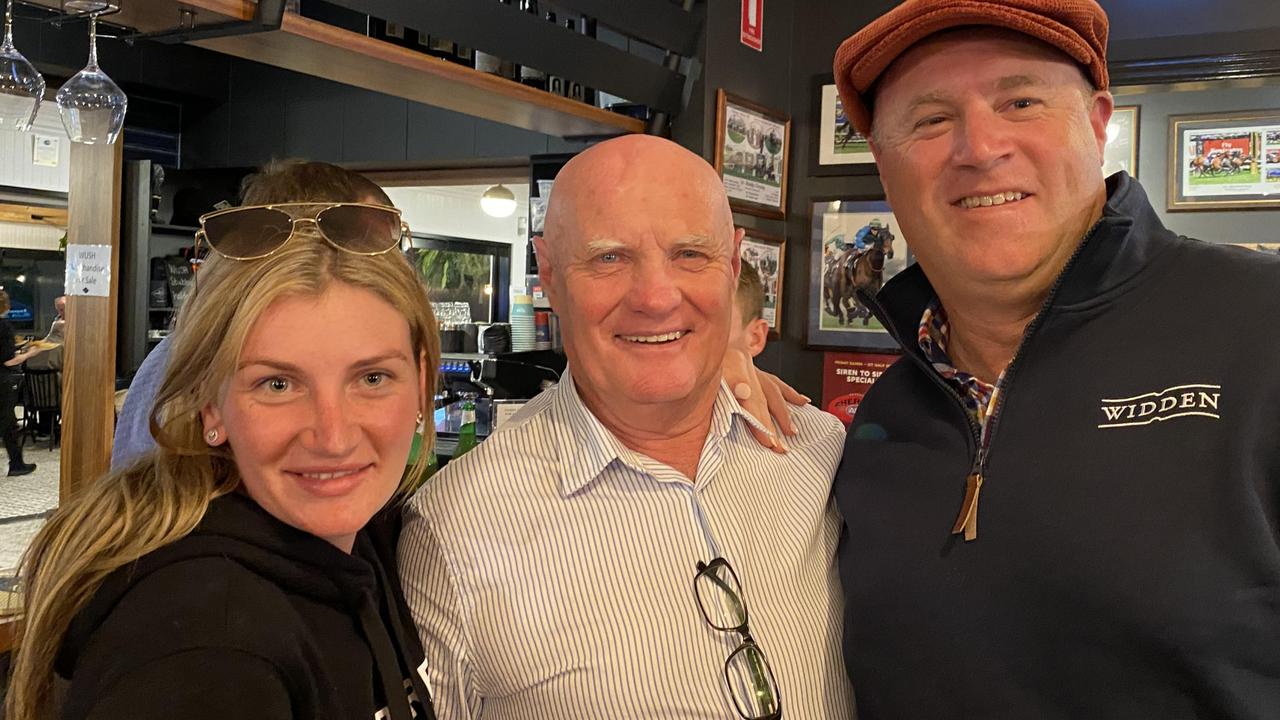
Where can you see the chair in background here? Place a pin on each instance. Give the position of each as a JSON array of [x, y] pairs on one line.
[[42, 400]]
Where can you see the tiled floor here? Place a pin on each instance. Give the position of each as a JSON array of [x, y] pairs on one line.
[[24, 501], [14, 538], [32, 494]]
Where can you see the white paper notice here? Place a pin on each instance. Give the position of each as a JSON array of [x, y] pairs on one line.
[[45, 152], [504, 411], [88, 270]]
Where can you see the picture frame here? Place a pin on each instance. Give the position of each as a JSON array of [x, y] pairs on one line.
[[834, 317], [768, 254], [1121, 150], [1269, 248], [1224, 161], [837, 148], [753, 146]]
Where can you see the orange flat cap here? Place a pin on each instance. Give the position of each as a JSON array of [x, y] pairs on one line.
[[1076, 27]]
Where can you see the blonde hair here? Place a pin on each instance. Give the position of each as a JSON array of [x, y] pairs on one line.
[[161, 498]]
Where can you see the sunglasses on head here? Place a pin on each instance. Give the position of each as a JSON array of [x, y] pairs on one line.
[[252, 232]]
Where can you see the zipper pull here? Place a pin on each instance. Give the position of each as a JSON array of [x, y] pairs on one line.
[[967, 521]]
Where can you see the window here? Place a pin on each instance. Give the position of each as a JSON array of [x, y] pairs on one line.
[[472, 271]]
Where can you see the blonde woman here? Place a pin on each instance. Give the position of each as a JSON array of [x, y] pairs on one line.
[[232, 572]]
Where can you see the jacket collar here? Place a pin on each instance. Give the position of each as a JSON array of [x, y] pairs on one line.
[[1118, 248]]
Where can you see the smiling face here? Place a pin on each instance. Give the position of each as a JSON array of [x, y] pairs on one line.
[[321, 426], [989, 145], [640, 264]]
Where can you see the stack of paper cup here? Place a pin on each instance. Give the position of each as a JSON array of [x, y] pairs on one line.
[[523, 332]]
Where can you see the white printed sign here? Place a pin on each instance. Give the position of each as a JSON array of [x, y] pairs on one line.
[[45, 151], [88, 270], [504, 411]]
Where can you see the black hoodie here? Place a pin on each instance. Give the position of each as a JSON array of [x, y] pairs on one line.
[[246, 617]]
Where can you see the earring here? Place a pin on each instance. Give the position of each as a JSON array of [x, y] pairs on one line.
[[422, 423], [212, 436]]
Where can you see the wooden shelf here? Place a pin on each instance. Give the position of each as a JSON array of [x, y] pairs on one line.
[[35, 215], [314, 48]]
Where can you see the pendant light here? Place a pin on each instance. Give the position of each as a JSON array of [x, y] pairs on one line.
[[498, 201]]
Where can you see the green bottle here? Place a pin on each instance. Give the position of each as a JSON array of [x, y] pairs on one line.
[[433, 463], [467, 432]]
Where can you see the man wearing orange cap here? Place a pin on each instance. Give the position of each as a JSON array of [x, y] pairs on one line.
[[1063, 501]]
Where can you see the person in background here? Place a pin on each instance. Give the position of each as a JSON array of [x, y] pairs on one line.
[[290, 181], [1064, 500], [57, 329], [748, 331], [45, 358], [623, 547], [9, 393], [58, 326], [234, 571]]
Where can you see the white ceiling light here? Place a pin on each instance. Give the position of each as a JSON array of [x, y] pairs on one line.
[[498, 201]]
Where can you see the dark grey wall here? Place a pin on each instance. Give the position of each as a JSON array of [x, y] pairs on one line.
[[1140, 19], [766, 78], [272, 112]]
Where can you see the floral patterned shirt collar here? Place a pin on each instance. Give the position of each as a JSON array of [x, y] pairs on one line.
[[934, 333]]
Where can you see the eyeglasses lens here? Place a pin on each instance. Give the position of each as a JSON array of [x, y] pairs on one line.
[[248, 233], [751, 683], [720, 596], [360, 229]]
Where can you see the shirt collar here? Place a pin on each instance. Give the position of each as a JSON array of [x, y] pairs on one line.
[[588, 449]]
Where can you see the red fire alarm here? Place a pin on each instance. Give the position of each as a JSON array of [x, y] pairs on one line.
[[752, 34]]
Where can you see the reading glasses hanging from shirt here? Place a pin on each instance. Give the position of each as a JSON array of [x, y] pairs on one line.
[[746, 671]]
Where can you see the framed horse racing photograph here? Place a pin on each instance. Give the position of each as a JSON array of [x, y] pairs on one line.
[[753, 144], [1121, 150], [853, 245], [1224, 161], [766, 254], [838, 148]]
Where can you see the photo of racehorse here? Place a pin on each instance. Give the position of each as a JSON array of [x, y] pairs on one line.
[[847, 140], [838, 142], [1222, 158], [860, 251]]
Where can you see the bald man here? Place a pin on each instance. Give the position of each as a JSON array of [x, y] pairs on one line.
[[597, 556]]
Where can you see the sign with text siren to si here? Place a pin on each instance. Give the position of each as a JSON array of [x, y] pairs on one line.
[[847, 377], [752, 27]]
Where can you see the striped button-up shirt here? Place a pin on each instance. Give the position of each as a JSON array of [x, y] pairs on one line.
[[551, 570]]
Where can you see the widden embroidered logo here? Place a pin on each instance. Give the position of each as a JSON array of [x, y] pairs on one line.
[[1175, 402]]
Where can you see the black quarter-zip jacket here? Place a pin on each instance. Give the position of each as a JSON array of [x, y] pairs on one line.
[[1127, 561], [247, 617]]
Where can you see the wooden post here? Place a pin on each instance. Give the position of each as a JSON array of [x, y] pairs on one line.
[[89, 356]]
